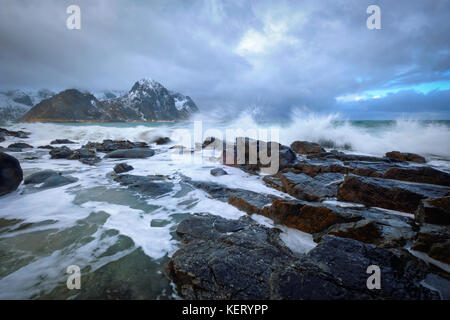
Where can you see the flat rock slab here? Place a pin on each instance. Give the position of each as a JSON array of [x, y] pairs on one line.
[[62, 141], [389, 194], [245, 200], [113, 145], [137, 153], [153, 186], [49, 179], [304, 187], [420, 175]]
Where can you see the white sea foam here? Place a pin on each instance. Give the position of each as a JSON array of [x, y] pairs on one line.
[[44, 271]]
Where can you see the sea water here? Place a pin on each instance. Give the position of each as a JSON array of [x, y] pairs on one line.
[[121, 239]]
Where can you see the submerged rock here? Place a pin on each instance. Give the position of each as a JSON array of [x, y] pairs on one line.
[[153, 186], [46, 147], [161, 140], [49, 179], [17, 134], [62, 141], [11, 173], [389, 194], [20, 145], [405, 156], [137, 153], [217, 172]]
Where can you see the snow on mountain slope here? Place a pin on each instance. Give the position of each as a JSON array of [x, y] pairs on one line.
[[148, 100], [15, 103]]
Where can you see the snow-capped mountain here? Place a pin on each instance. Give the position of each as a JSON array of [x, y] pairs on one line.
[[109, 94], [15, 103], [148, 100]]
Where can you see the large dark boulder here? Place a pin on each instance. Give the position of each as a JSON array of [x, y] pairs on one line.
[[11, 173], [61, 153], [389, 194], [248, 155]]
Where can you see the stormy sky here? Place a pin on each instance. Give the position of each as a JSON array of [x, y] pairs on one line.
[[234, 55]]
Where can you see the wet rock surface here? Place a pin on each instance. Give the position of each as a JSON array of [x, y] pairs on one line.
[[388, 194], [435, 241], [435, 211], [304, 187], [49, 179], [217, 172], [122, 167], [113, 145], [245, 200], [62, 141], [239, 259], [136, 153], [153, 186], [253, 155], [17, 134], [405, 156], [161, 140], [305, 147], [420, 175]]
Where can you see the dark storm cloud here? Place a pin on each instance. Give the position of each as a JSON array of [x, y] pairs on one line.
[[232, 55]]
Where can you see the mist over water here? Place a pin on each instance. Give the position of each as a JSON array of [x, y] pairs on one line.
[[375, 137]]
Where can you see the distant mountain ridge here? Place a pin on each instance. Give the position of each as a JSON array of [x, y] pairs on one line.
[[15, 103], [148, 100]]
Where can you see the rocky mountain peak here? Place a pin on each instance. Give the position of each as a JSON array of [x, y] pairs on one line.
[[146, 85]]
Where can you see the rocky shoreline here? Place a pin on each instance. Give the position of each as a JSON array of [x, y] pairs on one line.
[[360, 211]]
